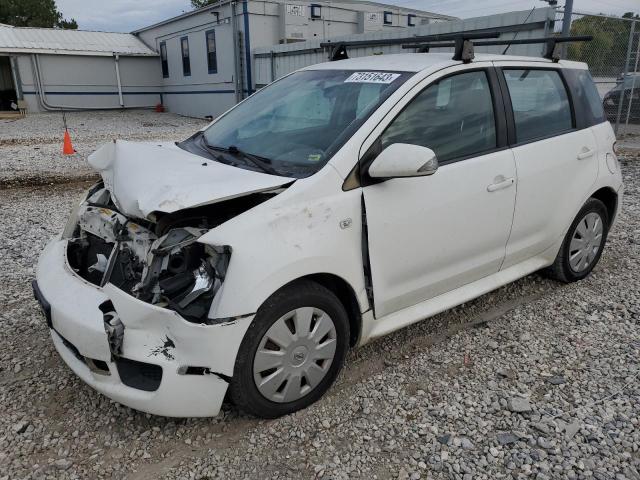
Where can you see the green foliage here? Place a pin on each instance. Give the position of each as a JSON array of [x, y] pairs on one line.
[[201, 3], [33, 13], [607, 52]]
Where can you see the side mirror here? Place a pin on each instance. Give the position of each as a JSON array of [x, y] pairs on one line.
[[404, 160]]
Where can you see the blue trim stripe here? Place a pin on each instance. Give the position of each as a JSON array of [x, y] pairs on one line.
[[187, 92], [184, 92]]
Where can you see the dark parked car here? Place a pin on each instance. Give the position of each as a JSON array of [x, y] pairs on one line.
[[630, 84]]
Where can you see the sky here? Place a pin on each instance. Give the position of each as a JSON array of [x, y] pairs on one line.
[[127, 15]]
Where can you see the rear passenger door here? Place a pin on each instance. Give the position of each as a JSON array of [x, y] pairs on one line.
[[556, 162]]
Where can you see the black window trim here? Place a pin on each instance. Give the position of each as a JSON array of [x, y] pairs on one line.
[[188, 57], [215, 52], [384, 17], [163, 46], [511, 124], [411, 20], [500, 125], [315, 11]]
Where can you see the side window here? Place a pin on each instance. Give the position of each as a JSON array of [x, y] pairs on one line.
[[186, 62], [540, 103], [163, 60], [587, 101], [453, 117], [212, 60]]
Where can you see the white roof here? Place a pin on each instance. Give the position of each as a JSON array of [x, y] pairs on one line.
[[416, 62], [69, 42]]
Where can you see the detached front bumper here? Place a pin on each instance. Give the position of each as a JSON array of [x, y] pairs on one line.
[[167, 365]]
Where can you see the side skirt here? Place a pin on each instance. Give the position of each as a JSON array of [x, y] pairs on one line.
[[415, 313]]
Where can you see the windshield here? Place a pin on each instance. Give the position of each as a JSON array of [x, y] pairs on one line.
[[294, 126]]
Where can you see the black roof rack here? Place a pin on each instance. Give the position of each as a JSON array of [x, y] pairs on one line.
[[462, 42], [551, 50], [338, 51]]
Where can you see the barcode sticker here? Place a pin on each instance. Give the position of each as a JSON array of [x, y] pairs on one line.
[[372, 77]]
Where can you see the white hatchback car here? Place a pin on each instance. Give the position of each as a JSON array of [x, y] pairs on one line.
[[340, 203]]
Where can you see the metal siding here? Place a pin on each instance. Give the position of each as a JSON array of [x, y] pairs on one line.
[[90, 82], [287, 64], [71, 41]]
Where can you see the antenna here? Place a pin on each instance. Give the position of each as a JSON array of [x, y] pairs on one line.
[[504, 52]]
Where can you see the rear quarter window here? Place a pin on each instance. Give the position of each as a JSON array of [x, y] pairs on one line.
[[586, 99]]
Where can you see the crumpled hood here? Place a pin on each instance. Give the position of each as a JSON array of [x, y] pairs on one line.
[[146, 177]]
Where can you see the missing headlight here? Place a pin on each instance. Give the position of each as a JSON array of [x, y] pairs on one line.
[[182, 274]]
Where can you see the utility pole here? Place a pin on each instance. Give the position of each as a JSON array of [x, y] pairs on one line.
[[566, 24]]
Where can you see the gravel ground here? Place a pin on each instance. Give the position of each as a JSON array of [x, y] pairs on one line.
[[30, 148], [535, 380]]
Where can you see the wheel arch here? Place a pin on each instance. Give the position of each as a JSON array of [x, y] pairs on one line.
[[609, 197], [347, 296]]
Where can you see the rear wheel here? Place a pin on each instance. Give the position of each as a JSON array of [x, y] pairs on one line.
[[292, 352], [583, 244]]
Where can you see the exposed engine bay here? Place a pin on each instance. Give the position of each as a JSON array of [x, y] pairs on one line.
[[160, 261]]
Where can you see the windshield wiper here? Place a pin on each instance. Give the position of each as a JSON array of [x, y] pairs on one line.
[[261, 162]]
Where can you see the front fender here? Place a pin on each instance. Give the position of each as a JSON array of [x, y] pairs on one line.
[[312, 227]]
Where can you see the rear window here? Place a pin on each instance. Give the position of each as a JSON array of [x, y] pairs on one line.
[[540, 103], [586, 98]]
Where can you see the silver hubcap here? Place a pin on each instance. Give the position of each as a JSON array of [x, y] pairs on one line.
[[295, 354], [585, 242]]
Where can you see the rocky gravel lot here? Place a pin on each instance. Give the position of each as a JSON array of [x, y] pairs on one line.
[[536, 380]]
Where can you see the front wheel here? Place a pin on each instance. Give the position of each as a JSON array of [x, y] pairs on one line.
[[583, 244], [292, 352]]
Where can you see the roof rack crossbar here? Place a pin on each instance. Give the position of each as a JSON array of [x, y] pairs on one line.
[[417, 39], [338, 50], [551, 52]]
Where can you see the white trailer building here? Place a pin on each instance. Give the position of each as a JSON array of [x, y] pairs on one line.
[[53, 69], [206, 55]]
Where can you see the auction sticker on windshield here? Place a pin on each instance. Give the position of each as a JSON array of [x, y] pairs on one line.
[[372, 77]]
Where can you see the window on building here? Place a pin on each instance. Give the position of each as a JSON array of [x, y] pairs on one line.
[[411, 20], [540, 103], [388, 18], [163, 59], [212, 61], [453, 117], [316, 11], [186, 62]]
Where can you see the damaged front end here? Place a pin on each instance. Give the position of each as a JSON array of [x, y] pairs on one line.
[[161, 263]]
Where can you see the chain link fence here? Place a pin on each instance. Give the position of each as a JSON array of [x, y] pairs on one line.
[[613, 57]]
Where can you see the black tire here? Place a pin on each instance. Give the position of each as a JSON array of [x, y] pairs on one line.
[[561, 269], [305, 293]]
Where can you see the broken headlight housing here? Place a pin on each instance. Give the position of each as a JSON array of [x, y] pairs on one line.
[[182, 274], [72, 222], [172, 270]]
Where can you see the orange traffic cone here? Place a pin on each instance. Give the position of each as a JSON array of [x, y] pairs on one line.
[[67, 147]]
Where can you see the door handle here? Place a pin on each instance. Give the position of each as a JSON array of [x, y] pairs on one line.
[[506, 183], [585, 153]]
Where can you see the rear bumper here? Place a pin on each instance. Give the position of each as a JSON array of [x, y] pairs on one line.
[[167, 366]]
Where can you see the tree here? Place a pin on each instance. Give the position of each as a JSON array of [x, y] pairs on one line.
[[201, 3], [33, 13], [607, 52]]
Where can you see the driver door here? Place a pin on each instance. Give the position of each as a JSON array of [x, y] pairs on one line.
[[432, 234]]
